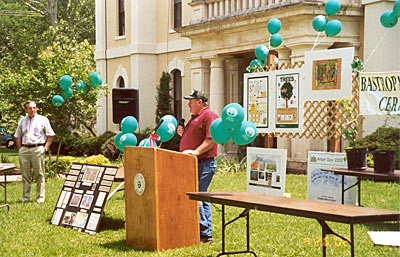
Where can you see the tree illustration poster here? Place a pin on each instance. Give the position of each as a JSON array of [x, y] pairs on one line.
[[287, 100]]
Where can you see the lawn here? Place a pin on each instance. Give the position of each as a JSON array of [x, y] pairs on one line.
[[25, 230]]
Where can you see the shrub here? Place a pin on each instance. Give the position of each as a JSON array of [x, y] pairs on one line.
[[97, 159], [65, 162]]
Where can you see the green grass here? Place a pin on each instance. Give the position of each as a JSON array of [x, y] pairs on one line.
[[25, 230]]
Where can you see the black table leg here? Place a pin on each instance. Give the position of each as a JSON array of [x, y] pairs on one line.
[[326, 230], [5, 193], [343, 189]]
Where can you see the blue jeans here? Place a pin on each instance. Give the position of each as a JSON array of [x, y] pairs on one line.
[[206, 170]]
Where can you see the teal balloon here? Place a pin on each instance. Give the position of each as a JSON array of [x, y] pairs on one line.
[[166, 131], [245, 134], [261, 52], [276, 60], [332, 7], [80, 86], [333, 28], [274, 26], [127, 139], [129, 124], [319, 23], [396, 9], [94, 78], [219, 133], [145, 142], [275, 40], [388, 20], [67, 93], [116, 141], [255, 62], [169, 118], [65, 82], [232, 115], [57, 100]]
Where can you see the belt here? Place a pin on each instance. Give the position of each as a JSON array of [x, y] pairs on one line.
[[35, 145], [204, 160]]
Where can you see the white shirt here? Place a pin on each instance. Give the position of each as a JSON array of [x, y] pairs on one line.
[[34, 130]]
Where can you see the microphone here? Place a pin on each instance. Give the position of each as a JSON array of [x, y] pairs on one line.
[[182, 123]]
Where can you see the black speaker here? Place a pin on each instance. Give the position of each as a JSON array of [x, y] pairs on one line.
[[125, 103]]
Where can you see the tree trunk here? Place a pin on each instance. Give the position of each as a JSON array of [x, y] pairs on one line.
[[52, 10]]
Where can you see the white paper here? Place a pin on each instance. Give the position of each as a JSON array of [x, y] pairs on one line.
[[389, 238]]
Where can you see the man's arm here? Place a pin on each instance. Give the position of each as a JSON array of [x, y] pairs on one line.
[[48, 143], [19, 142], [207, 144]]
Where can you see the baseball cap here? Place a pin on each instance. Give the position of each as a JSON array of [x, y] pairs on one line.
[[196, 94]]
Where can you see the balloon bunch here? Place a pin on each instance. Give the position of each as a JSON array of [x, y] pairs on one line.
[[231, 125], [66, 82], [262, 51], [389, 18], [164, 131], [321, 23], [129, 125]]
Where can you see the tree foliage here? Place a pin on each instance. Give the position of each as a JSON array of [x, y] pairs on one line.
[[164, 98]]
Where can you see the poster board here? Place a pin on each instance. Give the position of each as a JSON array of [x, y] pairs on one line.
[[83, 197], [266, 170], [326, 186], [380, 93], [328, 74], [273, 100]]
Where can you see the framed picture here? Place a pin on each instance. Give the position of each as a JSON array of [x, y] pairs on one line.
[[256, 98], [328, 74]]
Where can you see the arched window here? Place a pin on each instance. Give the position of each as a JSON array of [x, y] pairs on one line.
[[121, 82], [121, 17], [177, 80], [177, 13]]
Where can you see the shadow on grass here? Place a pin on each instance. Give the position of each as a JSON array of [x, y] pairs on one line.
[[121, 246], [388, 226], [108, 223]]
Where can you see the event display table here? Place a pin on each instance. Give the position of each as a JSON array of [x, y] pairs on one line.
[[320, 211], [5, 168], [362, 175]]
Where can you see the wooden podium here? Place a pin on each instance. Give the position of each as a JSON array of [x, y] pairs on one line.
[[159, 214]]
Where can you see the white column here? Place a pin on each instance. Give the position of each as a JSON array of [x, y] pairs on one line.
[[233, 80], [238, 5], [216, 13], [283, 55], [217, 84], [227, 7], [199, 75], [257, 3], [244, 5], [221, 8], [233, 6], [251, 5]]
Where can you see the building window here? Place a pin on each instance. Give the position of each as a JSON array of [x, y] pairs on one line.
[[177, 94], [121, 17], [177, 13], [121, 82]]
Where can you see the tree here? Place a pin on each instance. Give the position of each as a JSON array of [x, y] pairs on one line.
[[164, 98], [287, 92]]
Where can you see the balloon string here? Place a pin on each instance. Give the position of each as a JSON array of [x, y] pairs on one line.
[[376, 47], [315, 43]]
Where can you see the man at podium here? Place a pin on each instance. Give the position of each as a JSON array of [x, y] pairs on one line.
[[196, 140]]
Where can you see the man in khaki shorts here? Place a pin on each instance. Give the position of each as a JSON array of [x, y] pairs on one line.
[[34, 135]]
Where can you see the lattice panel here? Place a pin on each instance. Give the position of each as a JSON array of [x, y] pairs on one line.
[[322, 119]]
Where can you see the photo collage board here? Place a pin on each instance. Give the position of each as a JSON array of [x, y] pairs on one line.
[[83, 197]]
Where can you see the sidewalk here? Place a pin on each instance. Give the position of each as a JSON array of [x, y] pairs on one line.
[[11, 178]]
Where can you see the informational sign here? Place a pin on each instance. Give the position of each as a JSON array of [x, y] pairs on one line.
[[266, 171], [257, 100], [287, 100], [380, 93], [83, 197], [326, 186], [328, 74]]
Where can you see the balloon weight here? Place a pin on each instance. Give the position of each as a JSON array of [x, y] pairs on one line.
[[166, 131], [396, 9], [116, 141], [388, 20], [332, 7], [333, 28], [319, 23], [261, 52], [169, 118], [219, 133], [57, 100], [67, 93], [129, 124], [65, 82], [274, 26], [127, 139], [232, 115], [275, 40], [245, 134]]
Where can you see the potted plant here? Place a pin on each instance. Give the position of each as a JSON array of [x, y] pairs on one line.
[[356, 155]]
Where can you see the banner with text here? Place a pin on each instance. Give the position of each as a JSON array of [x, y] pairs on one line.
[[380, 93]]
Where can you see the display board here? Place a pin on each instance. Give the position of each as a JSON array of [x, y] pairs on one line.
[[266, 171], [83, 197], [325, 186]]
